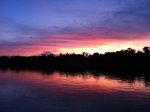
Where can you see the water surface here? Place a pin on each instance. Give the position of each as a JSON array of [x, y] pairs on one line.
[[32, 91]]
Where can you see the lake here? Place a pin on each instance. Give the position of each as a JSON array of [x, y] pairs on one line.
[[35, 91]]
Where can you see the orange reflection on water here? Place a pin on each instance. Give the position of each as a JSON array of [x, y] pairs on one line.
[[69, 83]]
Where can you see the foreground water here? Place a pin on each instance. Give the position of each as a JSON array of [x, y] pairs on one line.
[[31, 91]]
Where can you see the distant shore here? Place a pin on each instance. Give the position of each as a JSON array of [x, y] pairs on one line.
[[124, 60]]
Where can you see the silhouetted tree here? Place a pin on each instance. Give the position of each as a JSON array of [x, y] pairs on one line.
[[85, 54], [96, 54], [146, 50]]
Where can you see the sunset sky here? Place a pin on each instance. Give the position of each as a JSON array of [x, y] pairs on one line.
[[32, 27]]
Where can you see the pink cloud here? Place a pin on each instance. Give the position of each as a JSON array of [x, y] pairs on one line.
[[71, 41]]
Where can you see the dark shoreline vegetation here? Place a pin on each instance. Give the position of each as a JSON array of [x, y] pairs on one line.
[[123, 61]]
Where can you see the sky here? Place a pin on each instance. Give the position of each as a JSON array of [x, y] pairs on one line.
[[32, 27]]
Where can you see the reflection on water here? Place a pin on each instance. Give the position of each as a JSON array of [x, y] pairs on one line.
[[30, 91]]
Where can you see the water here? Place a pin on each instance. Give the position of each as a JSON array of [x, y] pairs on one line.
[[32, 91]]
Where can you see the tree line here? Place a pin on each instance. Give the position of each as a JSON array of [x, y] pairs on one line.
[[123, 60]]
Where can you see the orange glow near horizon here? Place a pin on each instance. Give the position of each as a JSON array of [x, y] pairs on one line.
[[109, 47], [106, 47], [75, 43]]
